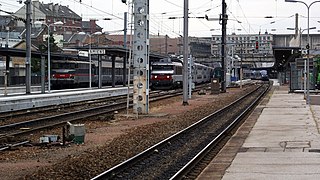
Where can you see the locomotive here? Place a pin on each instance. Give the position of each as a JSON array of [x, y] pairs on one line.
[[167, 73]]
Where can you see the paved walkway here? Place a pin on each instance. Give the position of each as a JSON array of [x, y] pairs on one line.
[[284, 143]]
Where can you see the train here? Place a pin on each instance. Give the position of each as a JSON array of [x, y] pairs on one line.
[[164, 74], [259, 75], [75, 73], [167, 73]]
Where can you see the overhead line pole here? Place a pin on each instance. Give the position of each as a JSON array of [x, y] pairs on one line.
[[125, 48], [28, 46], [185, 53], [223, 18]]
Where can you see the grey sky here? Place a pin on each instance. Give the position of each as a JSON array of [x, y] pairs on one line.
[[251, 13]]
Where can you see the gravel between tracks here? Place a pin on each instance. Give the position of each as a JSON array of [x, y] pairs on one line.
[[108, 143]]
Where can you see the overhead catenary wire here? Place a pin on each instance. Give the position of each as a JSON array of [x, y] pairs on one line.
[[250, 28]]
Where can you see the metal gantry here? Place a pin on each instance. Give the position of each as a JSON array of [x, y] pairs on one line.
[[141, 57]]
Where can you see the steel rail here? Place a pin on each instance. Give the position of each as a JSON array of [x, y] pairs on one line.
[[25, 127], [196, 159], [118, 169], [8, 146]]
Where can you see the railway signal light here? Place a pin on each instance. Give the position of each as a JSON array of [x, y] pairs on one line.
[[257, 45]]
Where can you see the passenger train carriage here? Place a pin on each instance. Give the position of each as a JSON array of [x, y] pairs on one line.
[[72, 73], [259, 75], [167, 74]]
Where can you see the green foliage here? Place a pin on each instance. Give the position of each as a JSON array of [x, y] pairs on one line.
[[35, 65], [53, 45]]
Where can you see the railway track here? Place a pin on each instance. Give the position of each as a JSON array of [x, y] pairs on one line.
[[27, 123], [179, 156]]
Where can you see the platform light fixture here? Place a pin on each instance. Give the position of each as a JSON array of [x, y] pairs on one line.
[[89, 54], [58, 23]]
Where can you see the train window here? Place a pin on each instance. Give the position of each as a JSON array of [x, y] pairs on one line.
[[108, 70], [83, 71], [118, 72], [162, 67], [54, 66], [179, 70]]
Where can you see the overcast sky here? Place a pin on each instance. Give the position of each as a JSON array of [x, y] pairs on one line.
[[251, 14]]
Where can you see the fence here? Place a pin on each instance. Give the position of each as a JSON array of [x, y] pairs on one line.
[[20, 80]]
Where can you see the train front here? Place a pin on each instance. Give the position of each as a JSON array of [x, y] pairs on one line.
[[63, 78], [161, 76]]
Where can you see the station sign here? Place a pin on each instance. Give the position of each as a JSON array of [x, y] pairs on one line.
[[97, 51], [83, 53]]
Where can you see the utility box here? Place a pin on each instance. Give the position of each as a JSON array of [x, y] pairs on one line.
[[215, 86], [315, 99], [76, 133]]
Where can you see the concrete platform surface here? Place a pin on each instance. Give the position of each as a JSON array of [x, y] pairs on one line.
[[21, 102], [284, 143]]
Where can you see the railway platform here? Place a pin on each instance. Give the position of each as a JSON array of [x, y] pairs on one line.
[[20, 101], [280, 140]]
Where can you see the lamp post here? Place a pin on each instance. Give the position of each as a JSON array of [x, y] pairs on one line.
[[89, 54], [305, 63], [58, 23], [308, 45]]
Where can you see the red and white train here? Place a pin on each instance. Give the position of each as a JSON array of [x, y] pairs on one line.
[[164, 74], [167, 74], [72, 73]]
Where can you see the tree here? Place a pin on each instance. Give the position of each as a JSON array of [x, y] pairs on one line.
[[53, 45], [43, 48]]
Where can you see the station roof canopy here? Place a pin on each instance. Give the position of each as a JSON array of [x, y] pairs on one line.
[[284, 55], [110, 51]]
